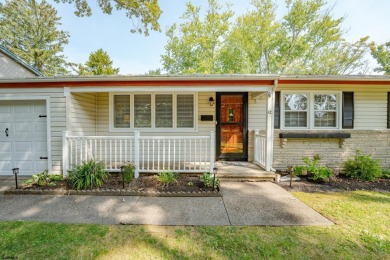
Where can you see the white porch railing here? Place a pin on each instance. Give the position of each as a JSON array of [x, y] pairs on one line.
[[260, 149], [149, 153]]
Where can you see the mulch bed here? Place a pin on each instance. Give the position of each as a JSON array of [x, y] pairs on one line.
[[186, 185], [337, 184]]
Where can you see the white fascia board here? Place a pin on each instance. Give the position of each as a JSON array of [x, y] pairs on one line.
[[173, 88]]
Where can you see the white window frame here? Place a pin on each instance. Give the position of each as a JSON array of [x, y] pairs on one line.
[[153, 128], [310, 109]]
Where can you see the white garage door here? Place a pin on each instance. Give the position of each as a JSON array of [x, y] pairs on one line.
[[23, 137]]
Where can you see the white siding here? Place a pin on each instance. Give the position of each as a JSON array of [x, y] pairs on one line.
[[11, 69], [57, 116], [256, 118], [83, 114]]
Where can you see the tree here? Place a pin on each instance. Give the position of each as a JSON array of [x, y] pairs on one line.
[[99, 63], [194, 46], [307, 40], [143, 13], [29, 29], [382, 55]]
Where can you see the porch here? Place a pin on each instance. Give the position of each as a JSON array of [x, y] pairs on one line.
[[153, 154], [159, 130]]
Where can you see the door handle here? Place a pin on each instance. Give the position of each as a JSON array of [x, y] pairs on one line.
[[6, 132]]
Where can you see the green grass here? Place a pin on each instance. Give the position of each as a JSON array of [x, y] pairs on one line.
[[362, 231]]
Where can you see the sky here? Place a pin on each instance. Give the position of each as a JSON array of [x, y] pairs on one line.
[[136, 54]]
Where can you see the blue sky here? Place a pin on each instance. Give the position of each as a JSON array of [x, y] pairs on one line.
[[136, 54]]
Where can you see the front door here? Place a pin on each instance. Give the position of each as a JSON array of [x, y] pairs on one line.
[[232, 111]]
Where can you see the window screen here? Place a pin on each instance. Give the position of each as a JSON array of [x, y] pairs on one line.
[[142, 111], [164, 114], [185, 111], [122, 111]]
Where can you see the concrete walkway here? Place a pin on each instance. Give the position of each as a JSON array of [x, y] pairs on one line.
[[242, 204]]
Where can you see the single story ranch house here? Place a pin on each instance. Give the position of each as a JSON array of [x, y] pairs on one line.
[[187, 123]]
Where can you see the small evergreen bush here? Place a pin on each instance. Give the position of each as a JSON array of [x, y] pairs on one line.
[[363, 167], [386, 173], [89, 175]]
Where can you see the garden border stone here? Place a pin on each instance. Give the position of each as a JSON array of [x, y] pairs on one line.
[[113, 192]]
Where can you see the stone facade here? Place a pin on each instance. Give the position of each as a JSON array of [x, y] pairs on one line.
[[333, 152]]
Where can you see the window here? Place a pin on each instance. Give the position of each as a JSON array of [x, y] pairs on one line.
[[164, 113], [142, 111], [152, 111], [325, 110], [122, 111], [295, 108], [185, 111], [311, 110]]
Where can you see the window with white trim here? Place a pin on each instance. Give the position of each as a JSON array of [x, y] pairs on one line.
[[311, 110], [152, 111]]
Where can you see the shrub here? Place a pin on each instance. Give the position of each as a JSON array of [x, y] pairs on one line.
[[363, 167], [386, 173], [90, 174], [313, 170], [44, 179], [207, 180], [167, 178], [129, 172]]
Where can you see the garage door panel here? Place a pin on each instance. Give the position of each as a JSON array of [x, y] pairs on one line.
[[25, 166], [5, 108], [23, 146], [5, 146], [5, 118], [24, 107], [6, 167], [40, 166], [24, 127], [39, 109], [40, 127], [40, 147]]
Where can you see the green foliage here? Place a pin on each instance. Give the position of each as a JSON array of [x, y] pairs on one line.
[[44, 179], [99, 63], [207, 179], [30, 30], [194, 44], [306, 40], [386, 173], [382, 55], [129, 171], [362, 167], [166, 177], [313, 170], [89, 175], [144, 14]]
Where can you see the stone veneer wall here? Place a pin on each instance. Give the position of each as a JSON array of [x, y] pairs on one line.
[[333, 153]]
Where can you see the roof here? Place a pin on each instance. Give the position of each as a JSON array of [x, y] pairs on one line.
[[192, 80], [19, 61]]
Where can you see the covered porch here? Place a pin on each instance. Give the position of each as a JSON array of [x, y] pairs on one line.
[[187, 142]]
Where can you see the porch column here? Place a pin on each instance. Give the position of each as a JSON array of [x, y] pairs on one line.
[[269, 129], [65, 153]]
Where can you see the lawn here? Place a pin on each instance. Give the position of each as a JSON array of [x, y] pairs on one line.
[[362, 230]]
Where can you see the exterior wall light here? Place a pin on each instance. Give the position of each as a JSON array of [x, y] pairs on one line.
[[211, 101]]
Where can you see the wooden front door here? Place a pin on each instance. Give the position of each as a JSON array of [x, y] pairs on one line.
[[231, 139]]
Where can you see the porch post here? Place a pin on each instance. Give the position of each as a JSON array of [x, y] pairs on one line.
[[212, 151], [136, 154], [269, 129], [65, 153]]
